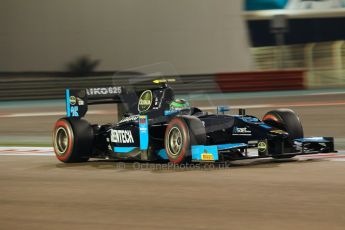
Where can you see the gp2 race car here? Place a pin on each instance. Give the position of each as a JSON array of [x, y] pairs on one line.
[[158, 127]]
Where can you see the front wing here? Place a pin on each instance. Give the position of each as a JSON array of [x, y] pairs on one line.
[[237, 151]]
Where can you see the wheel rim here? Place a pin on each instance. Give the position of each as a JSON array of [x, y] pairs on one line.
[[61, 141], [175, 141]]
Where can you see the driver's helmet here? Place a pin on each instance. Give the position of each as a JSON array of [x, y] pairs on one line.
[[179, 104]]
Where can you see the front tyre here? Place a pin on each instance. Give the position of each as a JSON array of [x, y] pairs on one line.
[[181, 133], [287, 120], [72, 140]]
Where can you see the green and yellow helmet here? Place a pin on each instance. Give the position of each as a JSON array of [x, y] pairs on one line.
[[179, 104]]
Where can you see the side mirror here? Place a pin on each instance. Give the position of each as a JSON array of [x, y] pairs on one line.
[[222, 109]]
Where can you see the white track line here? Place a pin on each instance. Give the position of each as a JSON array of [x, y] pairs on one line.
[[26, 151], [20, 148], [325, 93], [27, 154], [297, 104], [337, 159]]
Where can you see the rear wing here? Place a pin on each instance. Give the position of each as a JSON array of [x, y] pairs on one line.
[[77, 101], [152, 101]]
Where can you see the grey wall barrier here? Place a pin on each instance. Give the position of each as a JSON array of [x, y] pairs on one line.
[[48, 86], [29, 86]]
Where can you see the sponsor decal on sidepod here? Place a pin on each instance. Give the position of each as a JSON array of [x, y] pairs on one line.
[[121, 136], [241, 131]]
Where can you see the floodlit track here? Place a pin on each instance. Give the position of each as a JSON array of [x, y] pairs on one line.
[[39, 192]]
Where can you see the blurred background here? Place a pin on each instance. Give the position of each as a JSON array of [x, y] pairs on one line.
[[257, 54]]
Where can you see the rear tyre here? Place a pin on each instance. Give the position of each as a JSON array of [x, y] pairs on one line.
[[72, 140], [287, 120], [181, 133]]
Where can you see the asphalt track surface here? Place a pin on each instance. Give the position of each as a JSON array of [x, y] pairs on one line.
[[38, 192]]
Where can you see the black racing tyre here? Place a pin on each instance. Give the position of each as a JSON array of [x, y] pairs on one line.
[[287, 120], [183, 132], [72, 140]]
